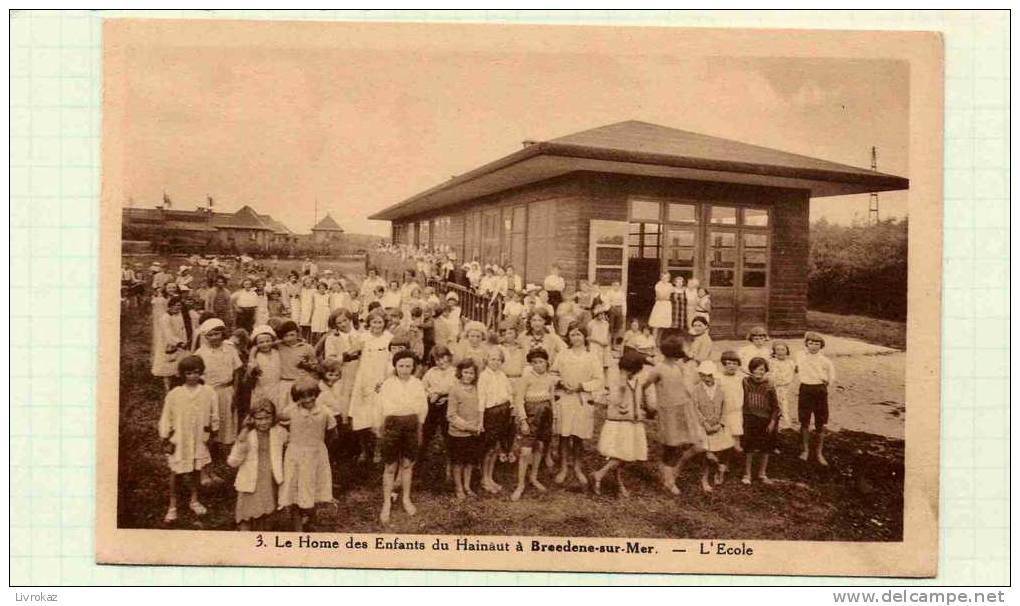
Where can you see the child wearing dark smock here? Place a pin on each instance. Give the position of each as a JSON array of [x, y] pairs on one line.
[[533, 402], [761, 415], [495, 395]]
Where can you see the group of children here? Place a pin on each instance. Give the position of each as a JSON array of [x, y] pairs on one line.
[[394, 367]]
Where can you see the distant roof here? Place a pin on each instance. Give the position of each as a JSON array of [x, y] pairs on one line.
[[327, 224], [276, 226], [641, 148], [188, 226], [245, 218]]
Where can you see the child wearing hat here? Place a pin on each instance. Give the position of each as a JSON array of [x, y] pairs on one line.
[[221, 364], [816, 374], [264, 367], [709, 402]]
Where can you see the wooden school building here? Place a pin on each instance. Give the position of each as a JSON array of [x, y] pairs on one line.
[[627, 201]]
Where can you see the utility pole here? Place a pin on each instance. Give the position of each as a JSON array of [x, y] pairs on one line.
[[873, 197]]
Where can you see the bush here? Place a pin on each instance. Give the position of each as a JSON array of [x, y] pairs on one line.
[[859, 269]]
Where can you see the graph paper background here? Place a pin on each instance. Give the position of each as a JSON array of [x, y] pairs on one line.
[[55, 93]]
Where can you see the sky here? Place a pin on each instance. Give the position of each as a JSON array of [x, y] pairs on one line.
[[300, 119]]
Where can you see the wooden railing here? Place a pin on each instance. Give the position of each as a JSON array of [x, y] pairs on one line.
[[473, 305]]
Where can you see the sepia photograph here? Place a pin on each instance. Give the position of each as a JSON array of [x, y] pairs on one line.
[[485, 296]]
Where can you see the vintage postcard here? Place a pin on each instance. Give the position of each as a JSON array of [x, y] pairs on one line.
[[508, 297]]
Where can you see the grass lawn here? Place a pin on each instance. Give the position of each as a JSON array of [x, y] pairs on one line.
[[881, 332], [858, 498]]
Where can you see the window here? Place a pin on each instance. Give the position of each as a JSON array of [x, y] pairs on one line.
[[756, 217], [680, 252], [723, 215], [755, 260], [682, 213], [722, 258], [644, 210], [644, 240]]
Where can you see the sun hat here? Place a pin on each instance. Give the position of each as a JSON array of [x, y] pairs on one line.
[[262, 329], [210, 325], [813, 336], [707, 368]]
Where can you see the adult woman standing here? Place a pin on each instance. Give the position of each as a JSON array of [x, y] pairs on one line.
[[662, 312]]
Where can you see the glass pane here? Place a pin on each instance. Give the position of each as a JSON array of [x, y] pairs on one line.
[[606, 276], [650, 252], [634, 252], [642, 210], [754, 279], [681, 257], [608, 256], [754, 259], [755, 240], [723, 239], [723, 258], [519, 214], [651, 239], [724, 215], [720, 277], [681, 237], [615, 239], [756, 217], [682, 213], [634, 239]]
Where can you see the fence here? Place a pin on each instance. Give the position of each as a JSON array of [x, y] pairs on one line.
[[473, 306]]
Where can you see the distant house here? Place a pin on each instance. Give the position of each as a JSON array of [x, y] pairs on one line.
[[202, 229], [629, 201], [327, 231]]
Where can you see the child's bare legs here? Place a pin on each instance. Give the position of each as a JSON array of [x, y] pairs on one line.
[[619, 480], [748, 467], [549, 462], [805, 440], [468, 470], [820, 432], [522, 473], [668, 475], [458, 480], [709, 463], [536, 462], [387, 488], [561, 477], [763, 472], [407, 473], [598, 475], [577, 447], [171, 512], [244, 526], [691, 452]]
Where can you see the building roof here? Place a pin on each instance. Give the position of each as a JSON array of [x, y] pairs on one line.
[[187, 226], [327, 224], [641, 148], [276, 226], [245, 218]]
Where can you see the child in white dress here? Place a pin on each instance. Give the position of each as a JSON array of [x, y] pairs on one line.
[[187, 423], [306, 475], [623, 437], [319, 319], [781, 370]]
